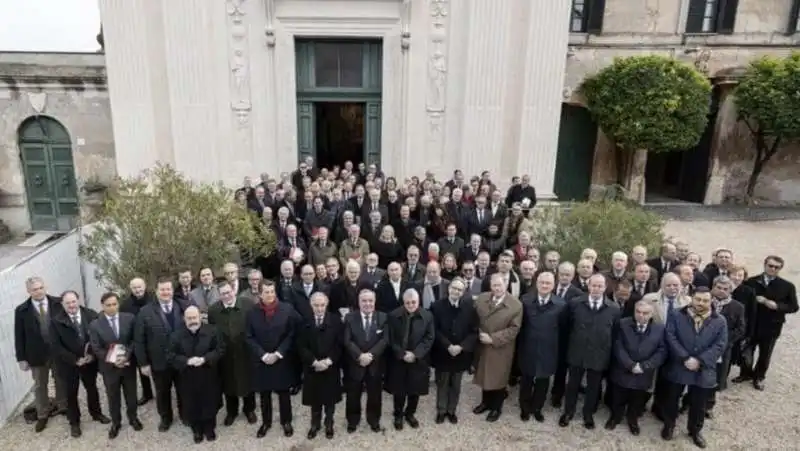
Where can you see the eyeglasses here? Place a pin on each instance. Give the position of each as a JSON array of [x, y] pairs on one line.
[[772, 266]]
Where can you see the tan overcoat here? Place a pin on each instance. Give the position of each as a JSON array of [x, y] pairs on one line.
[[659, 304], [502, 323]]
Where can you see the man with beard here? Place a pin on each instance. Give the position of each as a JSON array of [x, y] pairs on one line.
[[592, 319], [544, 320], [319, 345], [138, 298], [194, 352], [696, 338], [228, 317], [499, 321], [776, 297], [456, 325]]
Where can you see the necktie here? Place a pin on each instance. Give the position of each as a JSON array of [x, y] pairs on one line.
[[641, 328], [561, 291], [319, 321], [480, 215], [77, 325], [541, 302], [168, 308], [308, 290], [640, 287], [114, 326], [368, 326], [42, 310]]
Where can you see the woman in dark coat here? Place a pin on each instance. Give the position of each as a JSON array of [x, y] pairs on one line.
[[270, 330], [411, 335], [319, 344], [195, 351]]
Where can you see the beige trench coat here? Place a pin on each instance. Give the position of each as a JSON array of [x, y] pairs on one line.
[[502, 323]]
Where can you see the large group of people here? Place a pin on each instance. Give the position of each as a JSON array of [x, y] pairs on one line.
[[376, 286]]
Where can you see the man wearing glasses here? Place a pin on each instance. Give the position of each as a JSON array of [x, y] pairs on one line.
[[776, 297]]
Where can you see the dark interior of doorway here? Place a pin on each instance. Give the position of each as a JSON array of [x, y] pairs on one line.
[[682, 176], [340, 133]]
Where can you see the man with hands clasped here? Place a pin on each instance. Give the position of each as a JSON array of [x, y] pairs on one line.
[[319, 345], [364, 344], [456, 325], [696, 338]]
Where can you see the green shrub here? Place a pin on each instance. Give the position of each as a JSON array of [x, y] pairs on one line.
[[606, 226]]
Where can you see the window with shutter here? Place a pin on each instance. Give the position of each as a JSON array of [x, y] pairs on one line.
[[711, 16], [587, 16], [794, 18]]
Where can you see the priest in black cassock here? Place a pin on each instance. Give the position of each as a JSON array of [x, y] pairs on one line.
[[194, 352]]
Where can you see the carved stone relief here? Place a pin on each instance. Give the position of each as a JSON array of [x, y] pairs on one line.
[[269, 30], [405, 20], [436, 97], [239, 62]]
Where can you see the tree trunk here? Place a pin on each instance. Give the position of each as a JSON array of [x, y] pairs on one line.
[[758, 167], [636, 176]]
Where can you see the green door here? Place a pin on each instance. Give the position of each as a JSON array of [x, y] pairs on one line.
[[577, 136], [50, 187]]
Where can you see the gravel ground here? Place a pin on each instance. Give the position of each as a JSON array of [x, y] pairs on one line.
[[746, 419]]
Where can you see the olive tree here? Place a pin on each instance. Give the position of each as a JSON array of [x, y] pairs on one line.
[[648, 104], [160, 222], [768, 102]]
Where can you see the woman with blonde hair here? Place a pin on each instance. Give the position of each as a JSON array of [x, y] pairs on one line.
[[387, 247]]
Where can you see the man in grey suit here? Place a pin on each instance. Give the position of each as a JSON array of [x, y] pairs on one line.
[[473, 283], [371, 274], [433, 287], [111, 329], [207, 292]]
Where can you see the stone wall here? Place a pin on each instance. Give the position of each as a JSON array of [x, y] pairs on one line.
[[68, 87], [656, 27]]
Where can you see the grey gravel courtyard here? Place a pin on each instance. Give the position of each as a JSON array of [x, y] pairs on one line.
[[746, 419]]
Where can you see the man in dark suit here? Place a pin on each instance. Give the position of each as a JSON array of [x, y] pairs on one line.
[[776, 297], [565, 289], [641, 280], [523, 193], [111, 341], [666, 262], [390, 290], [477, 221], [302, 290], [32, 321], [470, 252], [451, 243], [74, 360], [138, 298], [155, 325], [372, 275], [412, 268], [364, 363], [374, 204], [473, 284]]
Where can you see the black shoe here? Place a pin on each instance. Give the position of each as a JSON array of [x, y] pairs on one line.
[[493, 416], [411, 420], [524, 416], [75, 430], [164, 425], [262, 430], [136, 424], [564, 420], [312, 433], [588, 423], [288, 430], [251, 417], [102, 419], [351, 427], [634, 428], [41, 423], [555, 402], [113, 432], [440, 417], [376, 427], [683, 409], [667, 433], [741, 378], [295, 390], [611, 424], [329, 433], [211, 435], [229, 419], [144, 400], [758, 384], [480, 408], [698, 440], [537, 415], [453, 418], [398, 423], [198, 437]]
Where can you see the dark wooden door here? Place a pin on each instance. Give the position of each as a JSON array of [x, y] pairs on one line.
[[577, 136]]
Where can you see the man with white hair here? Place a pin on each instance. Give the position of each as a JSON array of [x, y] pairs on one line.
[[499, 320], [433, 287], [354, 247], [617, 273], [592, 321], [344, 292]]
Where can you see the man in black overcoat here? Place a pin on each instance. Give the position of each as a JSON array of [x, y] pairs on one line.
[[456, 324], [74, 359], [544, 319], [776, 297], [195, 351], [319, 345], [365, 340]]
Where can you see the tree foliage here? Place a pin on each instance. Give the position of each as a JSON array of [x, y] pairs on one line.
[[606, 226], [160, 222], [650, 102], [768, 100]]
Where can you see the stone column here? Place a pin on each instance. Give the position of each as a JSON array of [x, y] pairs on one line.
[[545, 57], [726, 124]]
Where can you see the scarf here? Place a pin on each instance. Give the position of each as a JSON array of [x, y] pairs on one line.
[[698, 318], [269, 309]]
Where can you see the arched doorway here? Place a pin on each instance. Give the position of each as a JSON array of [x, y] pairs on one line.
[[51, 191], [577, 136]]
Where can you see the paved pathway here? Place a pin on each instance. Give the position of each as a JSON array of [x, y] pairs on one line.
[[746, 419]]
